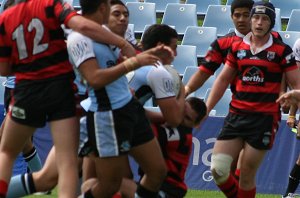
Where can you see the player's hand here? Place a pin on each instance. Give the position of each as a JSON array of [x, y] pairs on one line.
[[291, 121], [127, 50], [162, 52], [287, 99]]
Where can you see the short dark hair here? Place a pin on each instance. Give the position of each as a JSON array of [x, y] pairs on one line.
[[90, 6], [158, 33], [198, 106], [241, 4], [118, 2]]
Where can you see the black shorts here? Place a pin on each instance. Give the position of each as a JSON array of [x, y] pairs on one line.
[[256, 129], [7, 98], [114, 133], [36, 103]]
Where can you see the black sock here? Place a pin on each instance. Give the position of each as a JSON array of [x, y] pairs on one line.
[[88, 194], [293, 180], [142, 192]]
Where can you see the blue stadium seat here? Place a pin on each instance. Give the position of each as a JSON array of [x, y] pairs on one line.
[[181, 16], [218, 16], [141, 14], [126, 1], [286, 7], [277, 26], [230, 1], [289, 37], [201, 92], [201, 37], [202, 5], [188, 72], [186, 56], [293, 23], [76, 4], [222, 107], [161, 4]]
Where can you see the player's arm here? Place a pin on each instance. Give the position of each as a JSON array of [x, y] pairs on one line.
[[196, 81], [5, 69], [220, 85], [98, 33]]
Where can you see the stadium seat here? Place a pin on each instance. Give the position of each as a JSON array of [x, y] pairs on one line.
[[76, 4], [161, 5], [218, 16], [293, 23], [286, 7], [277, 26], [188, 72], [219, 70], [222, 107], [186, 56], [201, 37], [141, 14], [200, 93], [230, 1], [2, 88], [289, 37], [126, 1], [203, 5], [181, 16]]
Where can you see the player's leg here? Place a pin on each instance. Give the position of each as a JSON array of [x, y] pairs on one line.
[[31, 156], [150, 159], [41, 181], [250, 162], [65, 135], [10, 147], [294, 178], [224, 152]]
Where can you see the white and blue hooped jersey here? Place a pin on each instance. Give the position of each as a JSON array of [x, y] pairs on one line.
[[114, 95], [151, 81]]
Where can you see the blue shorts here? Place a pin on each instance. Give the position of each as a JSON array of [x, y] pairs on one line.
[[114, 133]]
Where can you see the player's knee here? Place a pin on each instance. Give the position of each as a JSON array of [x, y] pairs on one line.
[[220, 167]]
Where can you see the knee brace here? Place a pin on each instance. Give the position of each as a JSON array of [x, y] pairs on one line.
[[220, 167]]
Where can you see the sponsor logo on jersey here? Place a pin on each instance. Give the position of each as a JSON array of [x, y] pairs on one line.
[[253, 76], [18, 113]]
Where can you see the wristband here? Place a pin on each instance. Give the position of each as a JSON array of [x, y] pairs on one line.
[[130, 64], [290, 116]]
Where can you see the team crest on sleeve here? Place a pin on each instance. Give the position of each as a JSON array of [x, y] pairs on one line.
[[168, 85], [270, 56], [241, 54], [289, 57]]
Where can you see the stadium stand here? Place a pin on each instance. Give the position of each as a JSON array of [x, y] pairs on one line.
[[222, 20], [289, 37], [181, 16], [141, 14], [201, 37], [186, 56], [201, 6], [161, 4], [293, 23], [286, 7]]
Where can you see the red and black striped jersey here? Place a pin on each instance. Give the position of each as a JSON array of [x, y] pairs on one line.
[[259, 75], [217, 53], [176, 146], [32, 39]]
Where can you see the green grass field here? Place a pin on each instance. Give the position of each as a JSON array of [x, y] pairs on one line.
[[190, 194]]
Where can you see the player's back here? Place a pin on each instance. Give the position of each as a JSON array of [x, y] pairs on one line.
[[34, 41]]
